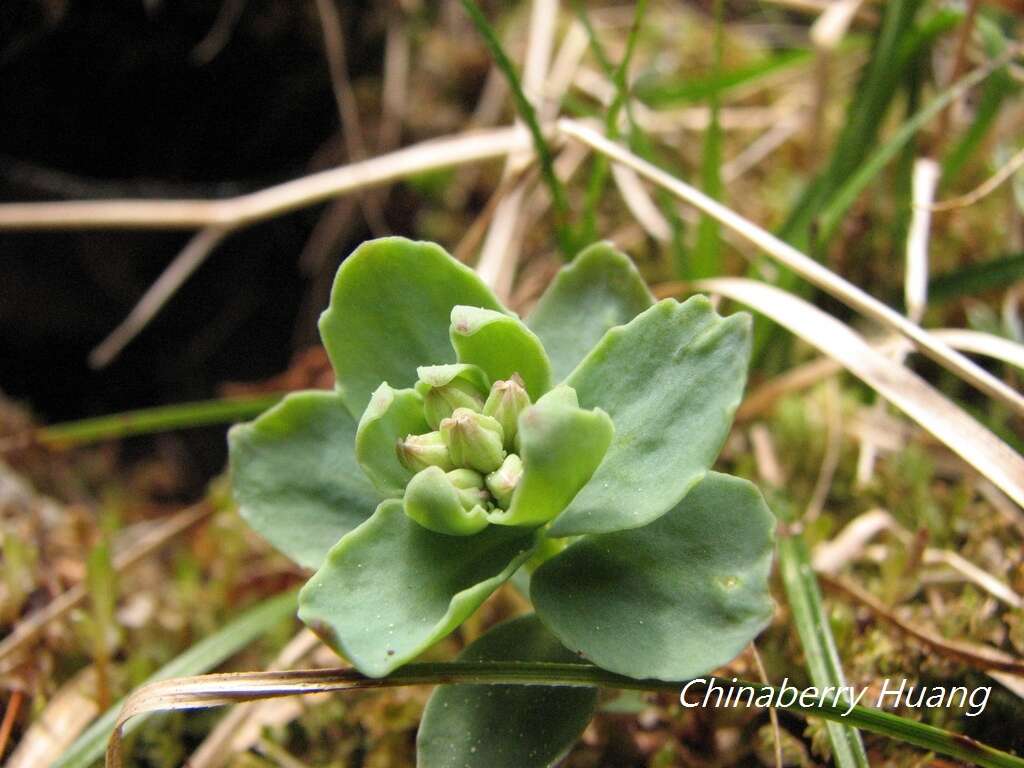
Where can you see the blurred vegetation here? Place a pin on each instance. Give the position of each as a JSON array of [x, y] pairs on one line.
[[815, 142]]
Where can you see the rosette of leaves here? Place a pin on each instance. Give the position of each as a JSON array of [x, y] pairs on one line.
[[462, 444]]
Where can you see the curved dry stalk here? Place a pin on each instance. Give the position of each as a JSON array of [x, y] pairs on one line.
[[975, 444], [810, 373], [803, 265], [830, 556], [243, 723], [236, 212], [230, 688]]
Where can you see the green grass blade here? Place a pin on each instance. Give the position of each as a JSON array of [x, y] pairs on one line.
[[864, 116], [875, 91], [816, 638], [865, 173], [620, 79], [160, 419], [976, 278], [906, 47], [661, 92], [559, 199], [639, 141], [820, 654], [201, 657], [707, 255]]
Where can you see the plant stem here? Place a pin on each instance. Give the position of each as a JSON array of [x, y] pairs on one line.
[[559, 200], [159, 419], [215, 690]]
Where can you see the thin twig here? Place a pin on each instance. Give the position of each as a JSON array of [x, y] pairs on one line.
[[980, 657], [394, 94], [989, 186], [10, 715], [348, 107], [233, 213], [803, 265], [773, 716], [158, 294], [833, 446]]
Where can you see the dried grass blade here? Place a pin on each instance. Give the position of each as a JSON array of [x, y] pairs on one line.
[[803, 265], [916, 398], [808, 374], [65, 716], [433, 154], [241, 727]]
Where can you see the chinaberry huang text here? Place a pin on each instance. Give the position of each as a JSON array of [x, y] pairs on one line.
[[889, 694]]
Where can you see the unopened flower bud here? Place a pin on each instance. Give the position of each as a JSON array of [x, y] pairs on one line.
[[470, 487], [473, 440], [434, 501], [505, 402], [447, 387], [417, 452], [502, 482]]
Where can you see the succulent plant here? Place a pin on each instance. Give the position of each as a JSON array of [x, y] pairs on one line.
[[463, 445]]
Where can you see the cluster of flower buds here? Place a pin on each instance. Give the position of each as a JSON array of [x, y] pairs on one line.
[[468, 466]]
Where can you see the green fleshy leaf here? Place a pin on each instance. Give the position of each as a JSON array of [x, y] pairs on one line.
[[439, 375], [501, 345], [390, 309], [391, 415], [597, 291], [390, 589], [447, 387], [671, 381], [295, 475], [560, 446], [671, 600], [432, 500], [505, 726]]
